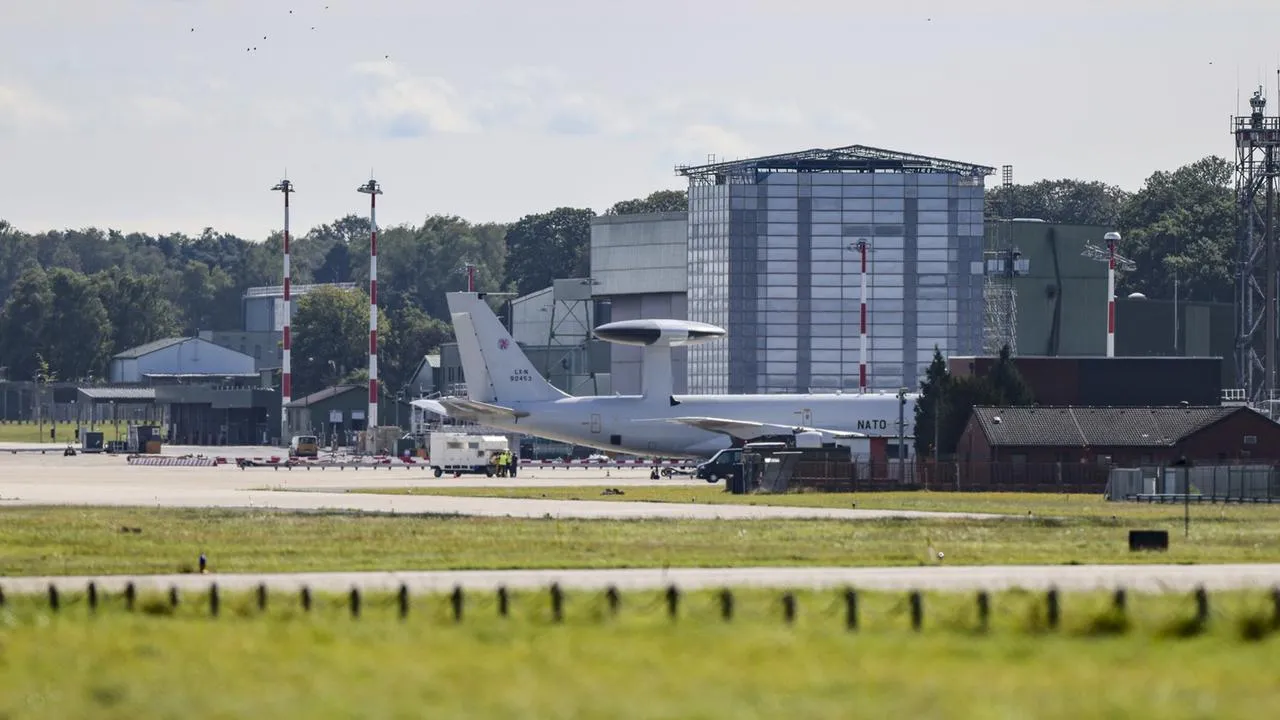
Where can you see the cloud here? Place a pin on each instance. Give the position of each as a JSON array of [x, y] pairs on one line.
[[158, 110], [543, 99], [21, 108], [402, 104], [539, 99], [701, 139]]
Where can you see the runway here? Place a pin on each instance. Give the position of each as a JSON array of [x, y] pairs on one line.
[[1135, 578], [98, 480]]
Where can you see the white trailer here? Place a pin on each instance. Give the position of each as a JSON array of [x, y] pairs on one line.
[[460, 453]]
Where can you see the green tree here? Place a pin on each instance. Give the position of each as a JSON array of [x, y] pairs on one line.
[[1182, 224], [77, 333], [1076, 202], [414, 335], [23, 320], [1007, 384], [139, 311], [659, 201], [331, 338], [1002, 386], [931, 403], [551, 245], [206, 296]]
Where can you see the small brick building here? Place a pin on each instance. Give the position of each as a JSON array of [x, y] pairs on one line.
[[1073, 446]]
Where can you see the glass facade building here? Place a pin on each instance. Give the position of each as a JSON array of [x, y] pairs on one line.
[[773, 259]]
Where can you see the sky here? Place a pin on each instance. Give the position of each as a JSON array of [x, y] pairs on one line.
[[175, 115]]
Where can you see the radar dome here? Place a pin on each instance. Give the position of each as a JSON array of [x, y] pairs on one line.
[[670, 333]]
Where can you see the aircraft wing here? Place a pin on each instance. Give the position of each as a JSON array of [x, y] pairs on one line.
[[750, 429], [465, 408]]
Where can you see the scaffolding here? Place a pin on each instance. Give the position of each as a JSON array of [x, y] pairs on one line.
[[1257, 137], [1001, 264]]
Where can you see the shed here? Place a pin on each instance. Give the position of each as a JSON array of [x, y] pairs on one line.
[[177, 356], [1041, 439], [341, 409], [426, 377]]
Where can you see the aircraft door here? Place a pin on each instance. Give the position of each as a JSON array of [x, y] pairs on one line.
[[595, 423], [806, 417]]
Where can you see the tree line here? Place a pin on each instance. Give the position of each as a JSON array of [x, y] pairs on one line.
[[75, 298]]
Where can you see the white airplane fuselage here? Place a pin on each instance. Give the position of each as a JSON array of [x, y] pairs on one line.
[[505, 391], [634, 424]]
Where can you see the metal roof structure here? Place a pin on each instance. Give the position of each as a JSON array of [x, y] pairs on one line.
[[294, 290], [856, 158], [325, 394], [120, 394], [148, 348], [1097, 426]]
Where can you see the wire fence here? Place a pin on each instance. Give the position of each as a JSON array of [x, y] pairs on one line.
[[1216, 481], [907, 612]]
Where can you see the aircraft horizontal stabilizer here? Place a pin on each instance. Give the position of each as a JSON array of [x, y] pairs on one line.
[[465, 408], [750, 429]]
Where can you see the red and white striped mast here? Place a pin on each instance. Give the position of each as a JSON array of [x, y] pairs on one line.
[[862, 246], [286, 372], [373, 190], [1112, 238]]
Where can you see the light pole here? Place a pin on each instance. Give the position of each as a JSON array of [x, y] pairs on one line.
[[902, 432], [1112, 258], [861, 246], [373, 190], [286, 373]]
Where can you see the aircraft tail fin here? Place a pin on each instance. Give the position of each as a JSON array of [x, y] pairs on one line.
[[496, 369]]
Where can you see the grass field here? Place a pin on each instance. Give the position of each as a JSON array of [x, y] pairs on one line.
[[639, 664], [75, 541], [1020, 504], [65, 433]]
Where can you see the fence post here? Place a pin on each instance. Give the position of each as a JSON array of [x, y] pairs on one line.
[[673, 601], [917, 610], [213, 599], [93, 597], [984, 611], [355, 602], [789, 608], [262, 597], [726, 604], [611, 596], [130, 596], [306, 599], [173, 596], [53, 597], [455, 600], [1202, 606], [1054, 611], [503, 601], [557, 602], [851, 609], [402, 599]]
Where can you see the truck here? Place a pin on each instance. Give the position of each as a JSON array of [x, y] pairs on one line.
[[460, 453]]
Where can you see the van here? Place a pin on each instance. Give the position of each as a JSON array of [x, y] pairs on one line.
[[724, 464], [304, 446]]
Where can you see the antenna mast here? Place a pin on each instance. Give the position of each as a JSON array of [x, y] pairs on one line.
[[1113, 259], [1257, 138]]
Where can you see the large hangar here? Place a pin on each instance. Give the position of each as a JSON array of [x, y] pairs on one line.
[[769, 254]]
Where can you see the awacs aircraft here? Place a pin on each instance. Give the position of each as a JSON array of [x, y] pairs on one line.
[[505, 391]]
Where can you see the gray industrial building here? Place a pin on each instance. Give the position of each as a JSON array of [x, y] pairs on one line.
[[640, 269], [769, 255]]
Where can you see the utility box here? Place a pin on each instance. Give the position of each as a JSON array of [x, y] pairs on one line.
[[91, 442]]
